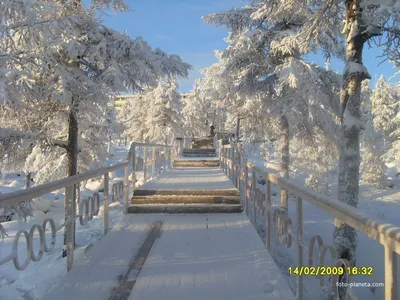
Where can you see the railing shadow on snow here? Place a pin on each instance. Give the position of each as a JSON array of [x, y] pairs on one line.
[[235, 165]]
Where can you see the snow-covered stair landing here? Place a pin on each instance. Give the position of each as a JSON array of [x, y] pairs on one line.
[[196, 257], [187, 190]]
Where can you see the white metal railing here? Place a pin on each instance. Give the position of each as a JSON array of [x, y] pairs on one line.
[[237, 168], [119, 190]]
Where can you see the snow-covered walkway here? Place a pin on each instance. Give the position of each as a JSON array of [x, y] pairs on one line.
[[190, 179], [213, 257]]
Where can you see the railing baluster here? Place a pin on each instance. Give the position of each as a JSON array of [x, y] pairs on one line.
[[238, 171], [233, 164], [390, 272], [153, 162], [165, 156], [126, 189], [269, 221], [70, 226], [145, 164], [299, 235], [133, 168], [106, 216], [246, 184], [252, 195]]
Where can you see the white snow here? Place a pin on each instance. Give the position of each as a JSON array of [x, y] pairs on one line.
[[97, 273], [377, 204], [195, 257], [38, 277], [209, 257]]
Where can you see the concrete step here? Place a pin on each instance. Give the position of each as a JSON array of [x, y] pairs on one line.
[[185, 209], [202, 143], [199, 155], [201, 150], [182, 199], [203, 163], [226, 193]]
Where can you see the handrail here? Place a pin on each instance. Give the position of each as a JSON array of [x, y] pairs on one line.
[[37, 191], [151, 145], [386, 234], [119, 189]]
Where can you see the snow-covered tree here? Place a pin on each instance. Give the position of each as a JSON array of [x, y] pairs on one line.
[[133, 116], [82, 62], [385, 101], [59, 52], [292, 28], [194, 111], [164, 116], [317, 156], [372, 141], [364, 20], [265, 57], [156, 115]]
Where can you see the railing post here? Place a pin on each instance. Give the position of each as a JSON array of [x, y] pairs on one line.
[[246, 180], [169, 158], [223, 159], [145, 164], [252, 194], [165, 156], [390, 272], [133, 168], [106, 217], [126, 189], [228, 166], [269, 211], [238, 171], [299, 217], [70, 226], [153, 162], [233, 164], [219, 153]]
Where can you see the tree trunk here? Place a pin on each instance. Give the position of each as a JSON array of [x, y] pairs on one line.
[[237, 130], [28, 180], [72, 163], [345, 237], [284, 160]]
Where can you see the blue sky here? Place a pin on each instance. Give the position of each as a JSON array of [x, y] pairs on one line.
[[176, 27]]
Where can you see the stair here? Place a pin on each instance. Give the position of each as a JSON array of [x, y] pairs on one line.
[[202, 143], [195, 152], [226, 193], [185, 201], [185, 209], [195, 199], [195, 163]]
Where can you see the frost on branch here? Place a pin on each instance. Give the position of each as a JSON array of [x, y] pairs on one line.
[[154, 115], [372, 141], [385, 101]]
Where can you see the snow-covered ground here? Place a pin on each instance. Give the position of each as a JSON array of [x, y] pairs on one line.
[[32, 282], [378, 204], [39, 276], [206, 256]]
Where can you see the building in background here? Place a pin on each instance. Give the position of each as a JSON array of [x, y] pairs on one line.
[[119, 101]]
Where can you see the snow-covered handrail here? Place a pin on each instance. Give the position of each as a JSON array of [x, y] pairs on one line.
[[119, 190], [387, 235]]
